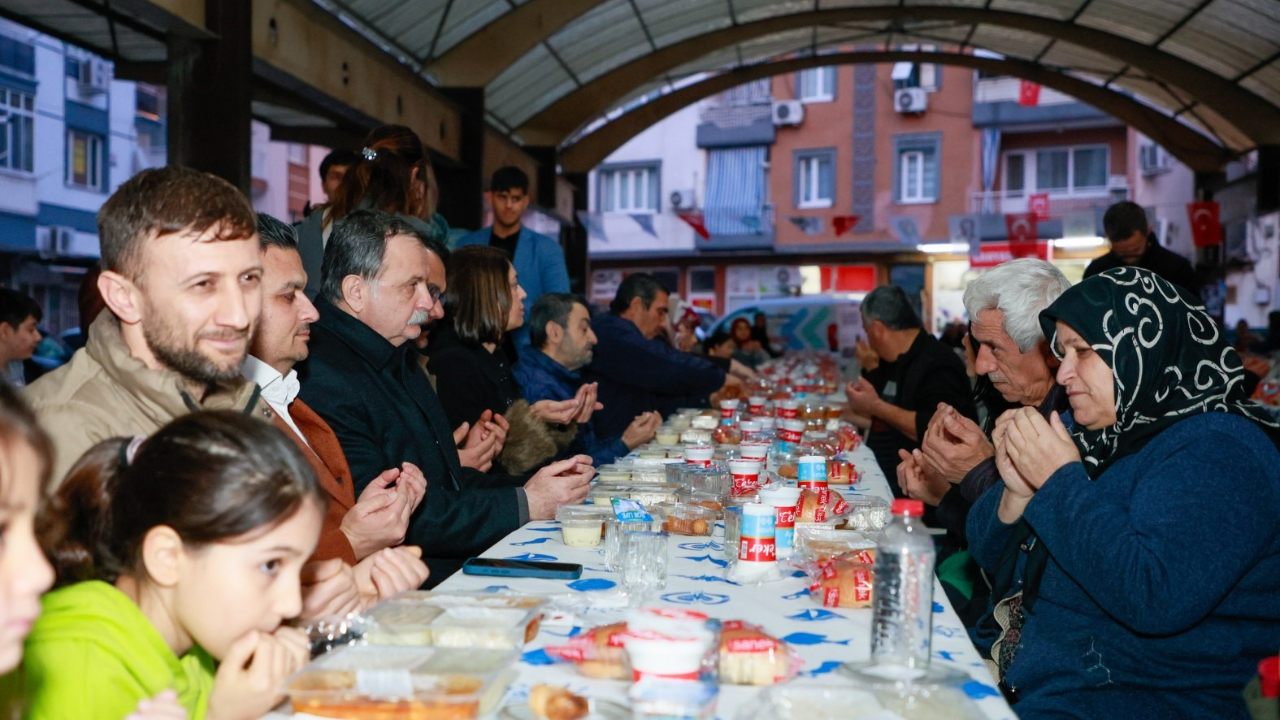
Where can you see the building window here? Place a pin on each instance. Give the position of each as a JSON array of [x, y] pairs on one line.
[[17, 125], [917, 168], [84, 159], [922, 75], [1015, 174], [1058, 171], [815, 178], [818, 84], [17, 55], [632, 189]]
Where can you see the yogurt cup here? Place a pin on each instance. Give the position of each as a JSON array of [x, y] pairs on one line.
[[699, 454], [789, 409], [728, 408], [746, 476], [754, 450], [749, 428], [755, 405], [783, 501], [580, 525], [811, 472]]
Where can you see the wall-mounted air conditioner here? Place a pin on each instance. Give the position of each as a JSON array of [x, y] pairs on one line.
[[910, 100], [788, 112]]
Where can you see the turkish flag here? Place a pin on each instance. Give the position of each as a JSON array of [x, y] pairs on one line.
[[1028, 94], [1038, 204], [696, 222], [844, 223], [1022, 231], [1206, 229]]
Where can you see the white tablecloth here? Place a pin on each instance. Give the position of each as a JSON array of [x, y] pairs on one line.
[[825, 637]]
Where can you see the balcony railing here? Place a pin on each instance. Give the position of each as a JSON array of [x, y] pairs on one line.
[[1004, 202]]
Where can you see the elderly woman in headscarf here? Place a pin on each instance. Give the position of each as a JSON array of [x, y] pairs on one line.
[[1135, 549]]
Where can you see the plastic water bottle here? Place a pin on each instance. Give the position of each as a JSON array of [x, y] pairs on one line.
[[902, 623]]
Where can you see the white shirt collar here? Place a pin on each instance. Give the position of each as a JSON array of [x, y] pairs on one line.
[[278, 390]]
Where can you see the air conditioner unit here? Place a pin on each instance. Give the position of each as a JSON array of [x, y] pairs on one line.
[[94, 76], [683, 199], [54, 241], [788, 112], [1152, 159], [910, 100]]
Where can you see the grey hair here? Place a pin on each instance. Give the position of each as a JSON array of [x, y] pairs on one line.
[[1020, 289], [357, 246], [273, 232], [890, 305]]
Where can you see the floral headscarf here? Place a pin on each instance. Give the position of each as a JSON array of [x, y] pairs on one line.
[[1169, 358]]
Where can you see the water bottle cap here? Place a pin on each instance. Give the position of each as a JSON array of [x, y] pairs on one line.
[[1269, 673], [910, 508]]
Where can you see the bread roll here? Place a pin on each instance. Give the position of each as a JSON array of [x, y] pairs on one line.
[[842, 583]]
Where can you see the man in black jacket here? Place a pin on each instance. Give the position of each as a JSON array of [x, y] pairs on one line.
[[913, 372], [380, 281], [1132, 243]]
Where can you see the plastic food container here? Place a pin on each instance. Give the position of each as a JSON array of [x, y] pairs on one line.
[[820, 543], [684, 519], [714, 502], [401, 623], [613, 474], [581, 525], [384, 683], [646, 494], [813, 701], [866, 513], [464, 620]]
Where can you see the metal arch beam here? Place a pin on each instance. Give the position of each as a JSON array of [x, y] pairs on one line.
[[1190, 147], [1255, 117], [483, 55]]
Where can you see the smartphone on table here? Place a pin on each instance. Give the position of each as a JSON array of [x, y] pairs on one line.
[[522, 568]]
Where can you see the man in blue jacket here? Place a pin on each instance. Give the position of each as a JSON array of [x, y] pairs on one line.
[[538, 259], [637, 370], [562, 343]]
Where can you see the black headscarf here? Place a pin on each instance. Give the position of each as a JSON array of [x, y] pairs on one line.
[[1169, 358]]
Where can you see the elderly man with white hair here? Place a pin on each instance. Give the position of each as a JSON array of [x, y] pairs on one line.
[[955, 464]]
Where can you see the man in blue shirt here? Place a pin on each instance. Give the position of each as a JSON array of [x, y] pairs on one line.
[[562, 343], [538, 259]]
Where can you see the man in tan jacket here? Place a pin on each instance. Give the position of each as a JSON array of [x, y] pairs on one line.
[[181, 280]]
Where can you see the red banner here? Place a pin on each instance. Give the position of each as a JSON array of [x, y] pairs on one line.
[[1206, 228], [1038, 205], [696, 222], [1028, 94], [991, 254]]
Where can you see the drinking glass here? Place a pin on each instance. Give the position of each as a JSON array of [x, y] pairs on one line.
[[643, 557], [613, 531]]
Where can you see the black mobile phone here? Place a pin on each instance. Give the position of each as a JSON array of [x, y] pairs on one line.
[[522, 568]]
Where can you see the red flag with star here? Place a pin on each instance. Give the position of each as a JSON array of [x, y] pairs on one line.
[[1206, 228], [697, 222], [1028, 94]]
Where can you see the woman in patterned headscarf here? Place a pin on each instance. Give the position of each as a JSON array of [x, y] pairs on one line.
[[1139, 548]]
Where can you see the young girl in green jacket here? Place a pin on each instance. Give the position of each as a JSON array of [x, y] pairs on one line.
[[179, 561]]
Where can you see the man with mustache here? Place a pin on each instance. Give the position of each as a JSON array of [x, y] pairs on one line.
[[181, 280], [381, 281]]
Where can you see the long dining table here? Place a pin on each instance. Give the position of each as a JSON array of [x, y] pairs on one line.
[[825, 638]]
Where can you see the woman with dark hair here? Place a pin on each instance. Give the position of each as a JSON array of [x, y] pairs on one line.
[[176, 555], [1135, 554], [393, 174], [473, 375], [747, 350]]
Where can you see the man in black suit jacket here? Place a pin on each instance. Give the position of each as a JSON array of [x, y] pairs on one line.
[[381, 279]]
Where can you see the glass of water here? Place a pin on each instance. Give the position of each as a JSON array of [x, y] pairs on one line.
[[643, 557], [613, 531]]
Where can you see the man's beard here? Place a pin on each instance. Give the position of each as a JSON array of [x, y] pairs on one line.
[[166, 345], [419, 317]]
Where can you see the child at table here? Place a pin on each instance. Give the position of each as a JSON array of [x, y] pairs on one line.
[[178, 552]]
